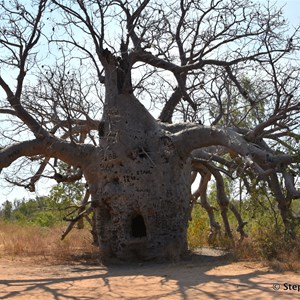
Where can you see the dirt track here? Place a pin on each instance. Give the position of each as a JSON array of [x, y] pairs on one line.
[[201, 277]]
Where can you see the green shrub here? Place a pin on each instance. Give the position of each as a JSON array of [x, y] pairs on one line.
[[198, 229], [46, 219]]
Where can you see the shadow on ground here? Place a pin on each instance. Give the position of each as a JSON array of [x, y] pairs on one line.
[[200, 275]]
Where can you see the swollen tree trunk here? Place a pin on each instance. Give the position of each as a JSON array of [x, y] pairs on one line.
[[140, 186]]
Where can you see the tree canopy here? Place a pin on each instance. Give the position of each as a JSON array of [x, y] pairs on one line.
[[221, 77]]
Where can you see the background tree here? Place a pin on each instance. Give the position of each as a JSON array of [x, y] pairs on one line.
[[6, 212], [64, 199], [225, 64]]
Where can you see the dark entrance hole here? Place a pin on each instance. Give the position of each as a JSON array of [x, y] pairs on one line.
[[138, 227]]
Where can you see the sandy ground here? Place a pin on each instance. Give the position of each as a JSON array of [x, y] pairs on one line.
[[200, 277]]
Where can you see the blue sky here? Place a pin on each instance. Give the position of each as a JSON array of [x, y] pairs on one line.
[[292, 13], [291, 9]]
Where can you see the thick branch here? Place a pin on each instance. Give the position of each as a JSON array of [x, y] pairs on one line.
[[51, 147], [200, 136], [261, 160], [38, 174], [11, 153]]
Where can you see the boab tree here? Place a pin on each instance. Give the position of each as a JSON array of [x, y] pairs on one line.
[[224, 66]]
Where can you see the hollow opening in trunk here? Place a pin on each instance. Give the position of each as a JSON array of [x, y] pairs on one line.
[[138, 227]]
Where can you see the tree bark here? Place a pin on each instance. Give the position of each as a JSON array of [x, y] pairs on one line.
[[140, 186]]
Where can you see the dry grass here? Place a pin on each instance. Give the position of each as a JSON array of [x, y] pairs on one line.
[[279, 255], [34, 241], [286, 261], [42, 243]]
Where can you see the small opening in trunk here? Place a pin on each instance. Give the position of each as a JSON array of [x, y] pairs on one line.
[[138, 227]]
